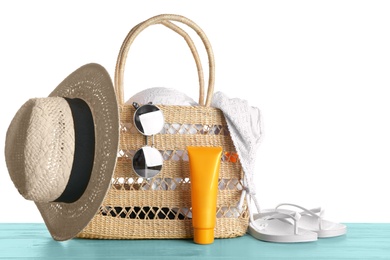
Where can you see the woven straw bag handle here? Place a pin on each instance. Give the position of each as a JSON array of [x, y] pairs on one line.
[[193, 49], [165, 20]]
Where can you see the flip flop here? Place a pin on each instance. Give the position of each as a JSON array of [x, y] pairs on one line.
[[274, 227], [312, 220]]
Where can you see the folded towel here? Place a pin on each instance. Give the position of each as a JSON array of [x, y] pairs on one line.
[[244, 123]]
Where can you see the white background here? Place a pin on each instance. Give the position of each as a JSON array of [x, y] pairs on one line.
[[318, 71]]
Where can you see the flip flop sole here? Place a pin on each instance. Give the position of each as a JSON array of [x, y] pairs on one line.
[[277, 231], [329, 228]]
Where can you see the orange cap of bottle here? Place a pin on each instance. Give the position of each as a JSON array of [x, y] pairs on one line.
[[203, 236]]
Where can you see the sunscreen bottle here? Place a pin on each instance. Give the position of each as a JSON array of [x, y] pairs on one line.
[[204, 171]]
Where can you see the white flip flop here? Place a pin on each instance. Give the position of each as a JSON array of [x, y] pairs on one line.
[[274, 227], [312, 220]]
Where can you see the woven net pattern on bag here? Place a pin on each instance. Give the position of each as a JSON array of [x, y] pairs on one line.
[[136, 208]]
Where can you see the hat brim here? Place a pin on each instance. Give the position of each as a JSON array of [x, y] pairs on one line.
[[93, 84]]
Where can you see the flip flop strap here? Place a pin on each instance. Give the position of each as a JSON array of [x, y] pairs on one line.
[[295, 216], [311, 212]]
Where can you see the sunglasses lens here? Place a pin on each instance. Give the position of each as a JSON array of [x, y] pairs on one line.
[[149, 119], [147, 162]]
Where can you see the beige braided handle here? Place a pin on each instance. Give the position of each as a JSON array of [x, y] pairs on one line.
[[165, 20]]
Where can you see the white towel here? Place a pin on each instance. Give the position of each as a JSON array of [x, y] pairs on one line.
[[244, 123]]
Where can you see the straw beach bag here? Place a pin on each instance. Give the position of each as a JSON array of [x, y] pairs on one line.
[[160, 207]]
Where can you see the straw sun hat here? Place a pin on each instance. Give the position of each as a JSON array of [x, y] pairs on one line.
[[61, 150]]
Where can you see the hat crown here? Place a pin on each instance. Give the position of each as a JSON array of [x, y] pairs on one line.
[[40, 147]]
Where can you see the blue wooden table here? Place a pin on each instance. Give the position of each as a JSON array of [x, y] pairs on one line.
[[32, 241]]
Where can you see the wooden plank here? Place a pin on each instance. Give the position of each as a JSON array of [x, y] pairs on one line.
[[32, 241]]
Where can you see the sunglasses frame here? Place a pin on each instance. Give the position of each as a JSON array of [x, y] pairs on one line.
[[139, 154]]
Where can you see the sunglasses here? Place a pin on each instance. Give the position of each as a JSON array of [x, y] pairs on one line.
[[149, 120]]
